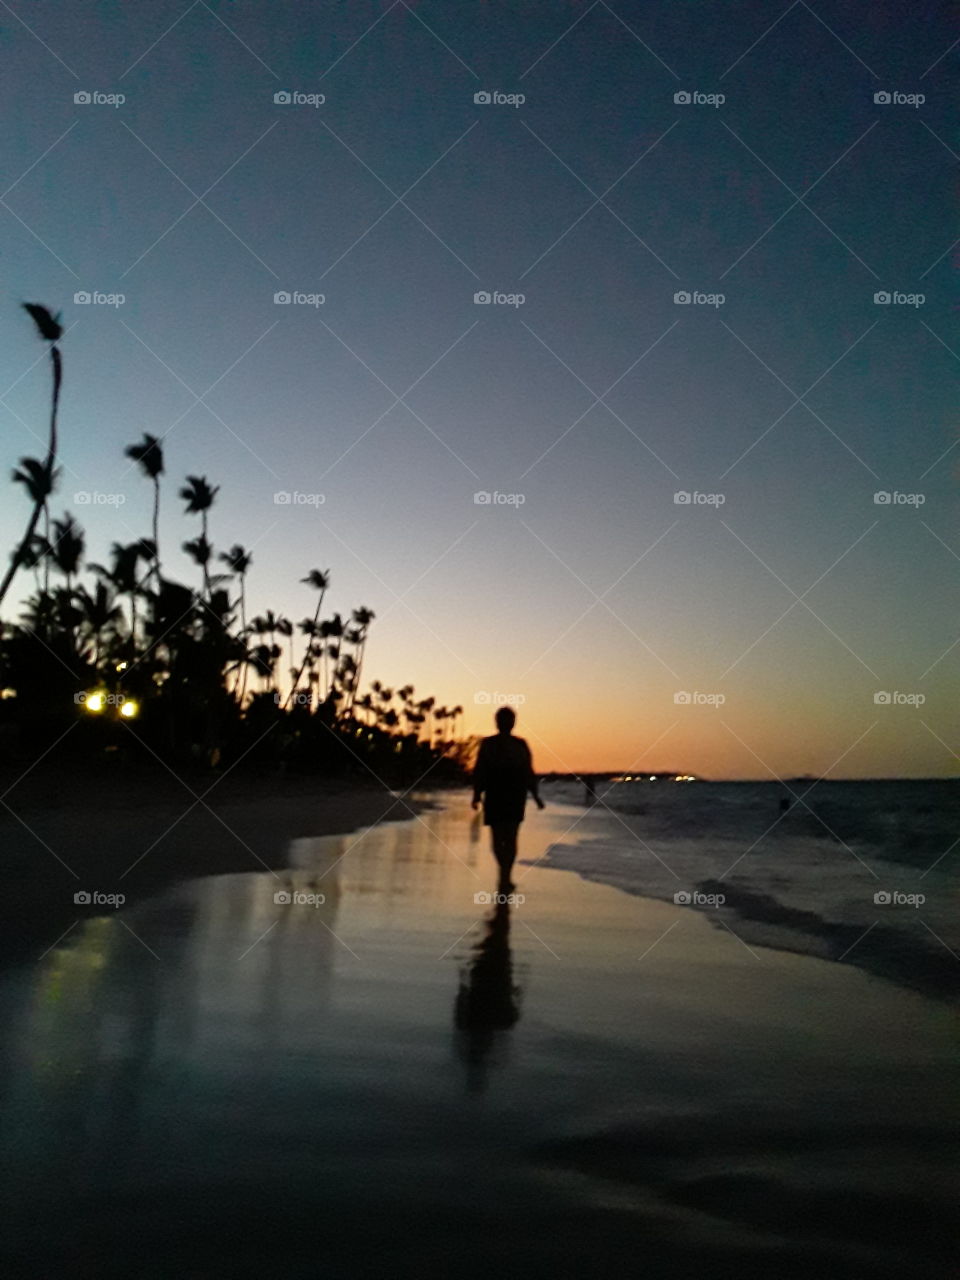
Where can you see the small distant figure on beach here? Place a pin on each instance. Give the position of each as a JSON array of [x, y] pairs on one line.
[[589, 790], [502, 778]]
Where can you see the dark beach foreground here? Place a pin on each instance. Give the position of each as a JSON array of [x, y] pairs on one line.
[[363, 1066], [74, 831]]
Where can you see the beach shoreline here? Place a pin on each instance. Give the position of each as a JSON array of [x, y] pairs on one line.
[[908, 946], [134, 834]]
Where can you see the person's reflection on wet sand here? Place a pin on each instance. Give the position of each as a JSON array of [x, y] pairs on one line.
[[488, 1001]]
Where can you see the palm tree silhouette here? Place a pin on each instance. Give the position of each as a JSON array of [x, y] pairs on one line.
[[240, 560], [198, 496], [319, 580], [361, 618], [149, 453], [42, 480], [99, 613]]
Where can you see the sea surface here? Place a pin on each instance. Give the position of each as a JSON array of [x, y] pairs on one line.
[[866, 871]]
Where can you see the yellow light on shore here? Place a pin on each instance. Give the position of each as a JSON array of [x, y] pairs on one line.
[[95, 701], [129, 708]]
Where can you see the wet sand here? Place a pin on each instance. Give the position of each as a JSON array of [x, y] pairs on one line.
[[64, 834], [226, 1079]]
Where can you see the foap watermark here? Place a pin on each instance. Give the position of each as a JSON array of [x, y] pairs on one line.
[[298, 898], [93, 498], [694, 98], [294, 98], [694, 898], [894, 298], [896, 98], [494, 98], [95, 898], [486, 698], [294, 498], [499, 899], [484, 498], [299, 698], [894, 498], [687, 698], [894, 898], [684, 498], [94, 98], [696, 298], [494, 298], [296, 298], [894, 698], [98, 699], [93, 298]]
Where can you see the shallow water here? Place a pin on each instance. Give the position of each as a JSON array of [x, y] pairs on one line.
[[212, 1082]]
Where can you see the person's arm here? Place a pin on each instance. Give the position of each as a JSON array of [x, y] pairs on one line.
[[479, 776], [532, 782]]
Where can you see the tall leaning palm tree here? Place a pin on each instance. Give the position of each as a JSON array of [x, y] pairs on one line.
[[149, 453], [198, 496], [51, 331], [319, 580]]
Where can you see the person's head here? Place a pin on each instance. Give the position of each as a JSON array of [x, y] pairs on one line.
[[506, 718]]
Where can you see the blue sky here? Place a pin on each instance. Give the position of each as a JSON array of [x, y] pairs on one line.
[[597, 598]]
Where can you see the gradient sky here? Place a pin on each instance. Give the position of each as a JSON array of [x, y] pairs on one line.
[[599, 598]]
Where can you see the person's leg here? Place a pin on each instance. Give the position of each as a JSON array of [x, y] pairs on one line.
[[505, 849], [500, 835]]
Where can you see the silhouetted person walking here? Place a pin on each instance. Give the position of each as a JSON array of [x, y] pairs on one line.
[[502, 777]]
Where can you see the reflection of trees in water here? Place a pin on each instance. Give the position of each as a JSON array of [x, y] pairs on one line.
[[488, 1001]]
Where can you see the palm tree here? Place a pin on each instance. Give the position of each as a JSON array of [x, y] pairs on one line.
[[198, 496], [199, 550], [240, 559], [361, 619], [319, 580], [149, 453], [124, 576], [67, 546], [42, 481], [99, 612]]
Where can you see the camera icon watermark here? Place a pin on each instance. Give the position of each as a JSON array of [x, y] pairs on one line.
[[697, 298], [294, 98], [895, 298], [894, 498], [488, 97], [88, 498], [694, 898], [686, 698], [86, 898], [487, 698], [294, 498], [688, 498], [694, 98], [299, 698], [894, 698], [297, 298], [894, 898], [85, 298], [93, 97], [483, 899], [496, 298], [298, 898], [486, 498]]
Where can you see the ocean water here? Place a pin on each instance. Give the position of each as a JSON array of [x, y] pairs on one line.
[[866, 872]]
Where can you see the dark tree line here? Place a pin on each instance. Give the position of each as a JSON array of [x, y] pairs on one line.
[[121, 658]]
